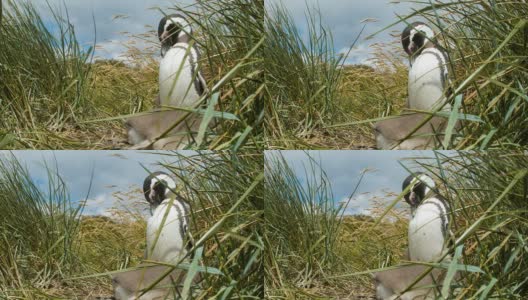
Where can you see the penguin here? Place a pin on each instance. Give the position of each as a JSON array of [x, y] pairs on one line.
[[429, 225], [391, 283], [130, 284], [167, 240], [390, 133], [181, 83], [428, 74]]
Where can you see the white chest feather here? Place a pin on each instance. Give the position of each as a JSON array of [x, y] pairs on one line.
[[427, 231], [428, 81], [170, 243], [177, 76]]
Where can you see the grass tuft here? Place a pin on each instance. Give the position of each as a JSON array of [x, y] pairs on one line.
[[318, 103], [302, 75], [38, 229], [314, 253], [54, 94], [303, 228], [52, 250]]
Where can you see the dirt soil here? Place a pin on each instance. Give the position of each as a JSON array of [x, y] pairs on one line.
[[342, 139]]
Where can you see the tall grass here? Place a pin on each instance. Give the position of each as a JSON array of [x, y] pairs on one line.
[[302, 75], [486, 42], [231, 37], [54, 96], [367, 92], [44, 78], [38, 230], [50, 250], [227, 214], [486, 191], [302, 224]]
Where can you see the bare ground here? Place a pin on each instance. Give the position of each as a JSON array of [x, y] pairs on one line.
[[344, 138]]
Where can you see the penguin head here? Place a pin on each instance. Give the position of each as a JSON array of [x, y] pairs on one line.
[[415, 37], [157, 186], [420, 185], [173, 29]]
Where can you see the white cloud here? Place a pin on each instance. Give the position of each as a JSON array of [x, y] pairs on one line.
[[119, 49], [360, 54], [117, 205], [117, 175], [370, 203], [112, 19], [357, 205], [382, 182], [99, 205], [112, 49], [345, 19]]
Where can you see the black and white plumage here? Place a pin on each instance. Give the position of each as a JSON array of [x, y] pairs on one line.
[[428, 75], [181, 82], [173, 241], [429, 225]]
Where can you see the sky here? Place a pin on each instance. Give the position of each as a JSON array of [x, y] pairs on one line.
[[344, 168], [113, 171], [345, 19], [82, 13]]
